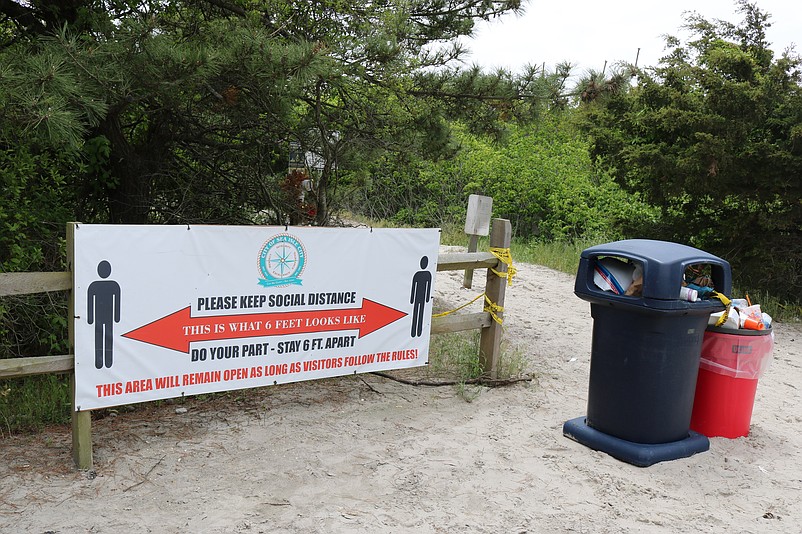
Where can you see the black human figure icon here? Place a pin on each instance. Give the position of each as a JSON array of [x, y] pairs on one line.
[[103, 309], [421, 291]]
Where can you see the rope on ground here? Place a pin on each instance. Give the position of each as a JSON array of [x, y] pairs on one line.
[[489, 382]]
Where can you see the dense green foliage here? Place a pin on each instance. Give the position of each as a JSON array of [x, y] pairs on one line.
[[188, 107], [713, 138], [183, 112], [35, 203], [167, 112], [540, 176]]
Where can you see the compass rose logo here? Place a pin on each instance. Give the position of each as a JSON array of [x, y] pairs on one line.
[[281, 261]]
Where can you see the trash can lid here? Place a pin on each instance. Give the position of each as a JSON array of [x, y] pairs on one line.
[[740, 332], [663, 263], [653, 252]]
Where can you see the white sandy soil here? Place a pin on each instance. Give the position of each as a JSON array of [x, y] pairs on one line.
[[366, 454]]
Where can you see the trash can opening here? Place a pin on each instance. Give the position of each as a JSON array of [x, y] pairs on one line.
[[697, 282], [621, 276]]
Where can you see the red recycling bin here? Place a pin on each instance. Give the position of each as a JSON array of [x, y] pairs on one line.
[[732, 362]]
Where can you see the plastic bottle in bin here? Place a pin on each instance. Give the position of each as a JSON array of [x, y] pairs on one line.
[[686, 293], [751, 318]]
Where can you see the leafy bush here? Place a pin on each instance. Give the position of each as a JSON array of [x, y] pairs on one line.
[[541, 178]]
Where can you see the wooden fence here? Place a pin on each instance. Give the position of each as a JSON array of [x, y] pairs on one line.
[[489, 344]]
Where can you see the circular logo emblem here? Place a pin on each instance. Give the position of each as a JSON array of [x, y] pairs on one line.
[[281, 261]]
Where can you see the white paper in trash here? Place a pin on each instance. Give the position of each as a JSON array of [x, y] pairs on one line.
[[611, 274], [730, 323]]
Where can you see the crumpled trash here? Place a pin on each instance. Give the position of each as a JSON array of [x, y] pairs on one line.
[[612, 274], [740, 314]]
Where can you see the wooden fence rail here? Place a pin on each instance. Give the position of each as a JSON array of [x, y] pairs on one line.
[[489, 344]]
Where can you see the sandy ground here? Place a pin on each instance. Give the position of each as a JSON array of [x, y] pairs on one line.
[[368, 454]]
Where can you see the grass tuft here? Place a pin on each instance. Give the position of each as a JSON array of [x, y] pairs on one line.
[[30, 403]]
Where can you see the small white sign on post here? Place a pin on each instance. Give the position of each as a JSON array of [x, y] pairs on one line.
[[477, 219], [477, 222]]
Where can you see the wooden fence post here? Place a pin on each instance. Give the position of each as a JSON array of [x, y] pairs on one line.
[[490, 342], [81, 434], [81, 421], [467, 279]]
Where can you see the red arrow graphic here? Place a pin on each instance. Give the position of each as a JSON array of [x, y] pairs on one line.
[[177, 330]]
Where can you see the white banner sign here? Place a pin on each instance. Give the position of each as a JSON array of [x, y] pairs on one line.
[[166, 311]]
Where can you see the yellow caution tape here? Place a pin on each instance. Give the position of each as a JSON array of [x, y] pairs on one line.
[[505, 256], [443, 314], [728, 303], [490, 307], [724, 300]]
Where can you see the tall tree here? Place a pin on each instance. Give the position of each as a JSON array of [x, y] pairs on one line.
[[197, 101], [712, 135]]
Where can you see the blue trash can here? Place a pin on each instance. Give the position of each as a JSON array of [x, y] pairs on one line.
[[645, 350]]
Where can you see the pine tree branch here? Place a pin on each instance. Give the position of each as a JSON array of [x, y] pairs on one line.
[[24, 17], [226, 6]]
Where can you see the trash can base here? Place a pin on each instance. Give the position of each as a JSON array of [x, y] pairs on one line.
[[639, 454]]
